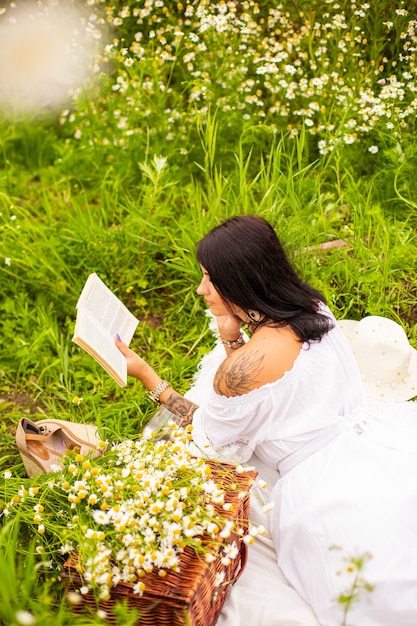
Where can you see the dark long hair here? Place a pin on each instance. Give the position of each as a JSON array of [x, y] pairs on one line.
[[249, 268]]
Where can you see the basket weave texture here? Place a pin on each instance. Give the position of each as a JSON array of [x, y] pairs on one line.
[[194, 595]]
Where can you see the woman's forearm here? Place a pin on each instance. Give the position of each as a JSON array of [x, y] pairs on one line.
[[174, 402], [178, 405], [159, 390]]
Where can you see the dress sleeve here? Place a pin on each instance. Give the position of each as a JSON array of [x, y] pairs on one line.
[[229, 428]]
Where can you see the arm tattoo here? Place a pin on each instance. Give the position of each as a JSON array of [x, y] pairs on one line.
[[240, 377], [181, 406]]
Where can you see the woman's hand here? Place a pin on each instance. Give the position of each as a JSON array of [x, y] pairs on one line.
[[229, 326], [136, 366]]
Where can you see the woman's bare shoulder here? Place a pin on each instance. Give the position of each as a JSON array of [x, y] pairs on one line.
[[264, 359]]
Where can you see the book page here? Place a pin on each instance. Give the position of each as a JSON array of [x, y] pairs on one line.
[[107, 309], [100, 316], [99, 347]]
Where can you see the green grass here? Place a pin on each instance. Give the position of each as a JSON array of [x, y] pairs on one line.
[[158, 150]]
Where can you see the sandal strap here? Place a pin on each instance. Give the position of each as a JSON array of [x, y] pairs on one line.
[[36, 437]]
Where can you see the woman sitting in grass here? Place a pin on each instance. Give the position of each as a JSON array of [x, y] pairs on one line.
[[291, 398]]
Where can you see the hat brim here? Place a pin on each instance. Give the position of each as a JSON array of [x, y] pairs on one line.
[[399, 392], [347, 327], [388, 393]]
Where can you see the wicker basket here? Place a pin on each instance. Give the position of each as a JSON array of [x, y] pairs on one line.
[[193, 596]]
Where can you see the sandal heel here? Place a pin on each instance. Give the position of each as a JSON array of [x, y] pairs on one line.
[[31, 467]]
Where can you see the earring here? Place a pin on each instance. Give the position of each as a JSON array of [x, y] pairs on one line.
[[254, 315]]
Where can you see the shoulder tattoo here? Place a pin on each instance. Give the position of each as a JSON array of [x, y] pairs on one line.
[[240, 376]]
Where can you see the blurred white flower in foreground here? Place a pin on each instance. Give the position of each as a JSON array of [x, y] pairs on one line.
[[46, 51], [24, 618]]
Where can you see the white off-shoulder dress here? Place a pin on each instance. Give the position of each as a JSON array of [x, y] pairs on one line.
[[342, 474]]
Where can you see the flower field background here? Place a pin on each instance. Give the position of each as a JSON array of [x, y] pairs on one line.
[[180, 115]]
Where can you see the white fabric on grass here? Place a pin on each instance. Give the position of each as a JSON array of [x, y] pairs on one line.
[[348, 488], [262, 595]]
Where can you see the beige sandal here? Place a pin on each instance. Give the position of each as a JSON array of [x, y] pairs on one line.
[[42, 443]]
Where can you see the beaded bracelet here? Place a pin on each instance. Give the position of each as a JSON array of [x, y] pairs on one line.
[[235, 343], [156, 393]]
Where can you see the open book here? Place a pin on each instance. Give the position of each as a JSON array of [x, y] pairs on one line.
[[100, 317]]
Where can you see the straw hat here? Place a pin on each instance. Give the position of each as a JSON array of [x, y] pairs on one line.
[[386, 360]]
